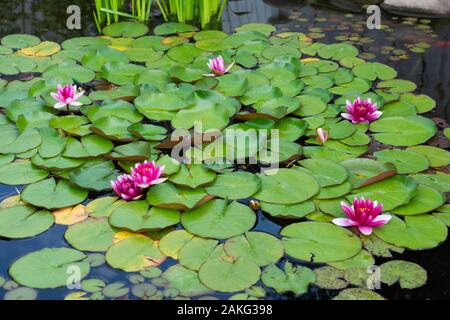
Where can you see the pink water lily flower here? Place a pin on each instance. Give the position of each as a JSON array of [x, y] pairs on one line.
[[364, 214], [67, 96], [322, 135], [361, 111], [127, 188], [217, 66], [147, 173]]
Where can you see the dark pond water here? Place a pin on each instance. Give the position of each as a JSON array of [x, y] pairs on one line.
[[430, 71]]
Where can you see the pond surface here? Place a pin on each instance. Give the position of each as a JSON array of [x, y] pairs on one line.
[[429, 70]]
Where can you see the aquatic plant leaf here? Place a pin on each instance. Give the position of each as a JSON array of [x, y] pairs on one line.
[[96, 176], [330, 278], [171, 244], [392, 192], [47, 268], [21, 172], [319, 242], [364, 172], [193, 176], [235, 185], [22, 221], [327, 172], [292, 279], [409, 275], [259, 247], [229, 276], [137, 216], [219, 220], [358, 294], [134, 253], [125, 29], [19, 41], [405, 161], [166, 195], [287, 186], [437, 157], [196, 251], [94, 235], [426, 199], [51, 195], [414, 232], [185, 281]]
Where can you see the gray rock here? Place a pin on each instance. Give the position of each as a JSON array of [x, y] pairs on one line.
[[427, 7]]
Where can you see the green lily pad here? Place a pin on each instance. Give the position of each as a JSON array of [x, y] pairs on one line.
[[292, 279], [19, 41], [184, 280], [13, 65], [405, 161], [363, 172], [229, 276], [126, 29], [134, 254], [51, 195], [327, 172], [98, 57], [166, 195], [196, 251], [414, 232], [289, 211], [96, 176], [171, 244], [259, 247], [24, 221], [47, 268], [21, 172], [287, 186], [219, 220], [319, 242], [95, 235], [437, 157], [408, 274], [373, 70], [136, 216], [403, 131], [235, 185], [173, 27], [358, 294], [426, 199], [22, 293], [193, 176], [397, 86], [392, 192]]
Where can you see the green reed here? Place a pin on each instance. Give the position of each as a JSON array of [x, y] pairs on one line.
[[205, 13], [109, 11]]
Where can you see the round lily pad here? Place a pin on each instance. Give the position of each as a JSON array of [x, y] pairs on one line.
[[414, 232], [327, 172], [21, 172], [405, 161], [229, 276], [426, 199], [287, 186], [219, 219], [19, 41], [319, 242], [133, 254], [137, 216], [291, 279], [403, 131], [51, 195], [24, 221], [48, 268], [259, 247], [90, 235], [409, 275], [235, 185], [126, 29]]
